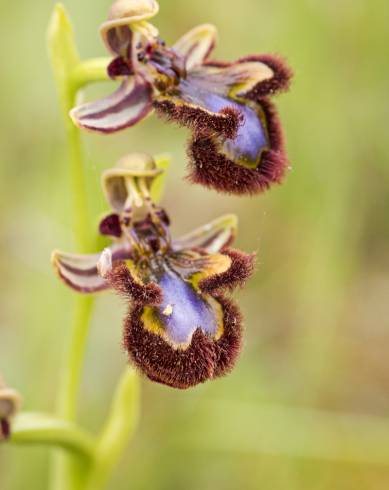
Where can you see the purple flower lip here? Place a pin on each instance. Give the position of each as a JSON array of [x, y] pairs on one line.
[[225, 105], [180, 328]]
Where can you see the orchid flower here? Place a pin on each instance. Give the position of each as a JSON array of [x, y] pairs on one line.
[[180, 328], [237, 143]]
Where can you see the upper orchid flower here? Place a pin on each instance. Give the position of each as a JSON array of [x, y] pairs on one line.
[[9, 406], [180, 329], [237, 143]]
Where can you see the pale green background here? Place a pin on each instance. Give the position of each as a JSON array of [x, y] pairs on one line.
[[317, 309]]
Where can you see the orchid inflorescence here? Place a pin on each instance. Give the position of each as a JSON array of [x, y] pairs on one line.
[[181, 326]]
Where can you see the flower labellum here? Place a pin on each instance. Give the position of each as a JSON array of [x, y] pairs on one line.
[[237, 143], [181, 328], [9, 406]]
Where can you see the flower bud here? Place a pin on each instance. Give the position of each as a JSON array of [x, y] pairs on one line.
[[9, 406]]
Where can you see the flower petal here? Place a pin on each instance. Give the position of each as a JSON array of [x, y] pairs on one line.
[[111, 226], [82, 271], [124, 108], [211, 237], [240, 269], [174, 306], [195, 266], [201, 105], [248, 164], [240, 126], [133, 10], [205, 358], [120, 184], [79, 271], [198, 115], [256, 74], [237, 145], [118, 40], [280, 80], [233, 79], [182, 311], [229, 346], [124, 14], [160, 362], [196, 45], [123, 280]]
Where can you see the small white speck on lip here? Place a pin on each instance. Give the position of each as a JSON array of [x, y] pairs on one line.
[[168, 311]]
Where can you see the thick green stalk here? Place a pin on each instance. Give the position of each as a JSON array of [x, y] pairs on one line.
[[119, 427], [72, 369], [70, 383], [65, 59], [72, 472]]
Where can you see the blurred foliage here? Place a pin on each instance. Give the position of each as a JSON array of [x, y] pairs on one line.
[[317, 327]]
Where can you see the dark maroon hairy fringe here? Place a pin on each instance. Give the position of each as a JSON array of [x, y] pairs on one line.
[[225, 122], [204, 359], [229, 346], [216, 171], [242, 267], [278, 83], [121, 280]]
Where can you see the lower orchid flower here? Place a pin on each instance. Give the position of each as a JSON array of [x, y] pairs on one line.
[[237, 143], [181, 328]]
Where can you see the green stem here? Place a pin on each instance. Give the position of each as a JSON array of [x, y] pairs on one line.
[[66, 469], [118, 429], [69, 387], [80, 216], [65, 60], [71, 473], [36, 428], [90, 71], [65, 466]]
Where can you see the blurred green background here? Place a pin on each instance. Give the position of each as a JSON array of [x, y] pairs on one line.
[[306, 406]]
